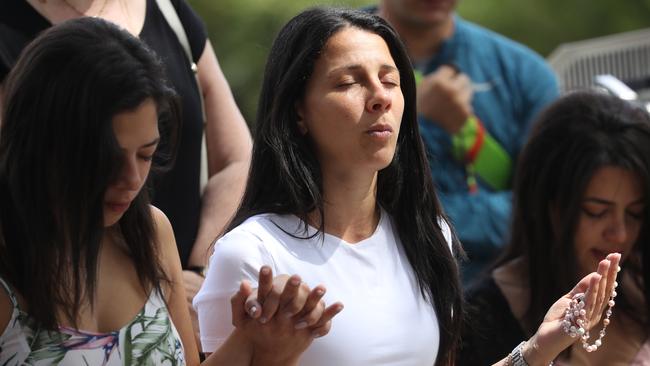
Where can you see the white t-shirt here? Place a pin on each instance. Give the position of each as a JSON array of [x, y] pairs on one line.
[[385, 320]]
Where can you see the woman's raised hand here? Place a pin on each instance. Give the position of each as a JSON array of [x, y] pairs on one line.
[[281, 317], [553, 335]]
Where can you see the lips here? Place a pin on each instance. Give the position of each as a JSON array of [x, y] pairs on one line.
[[118, 207], [380, 130]]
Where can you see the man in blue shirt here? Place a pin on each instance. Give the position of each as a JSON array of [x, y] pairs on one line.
[[478, 94]]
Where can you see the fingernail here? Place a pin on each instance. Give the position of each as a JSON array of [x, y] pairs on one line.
[[263, 320], [316, 335], [320, 292], [265, 270], [287, 315], [301, 325], [618, 269], [252, 310], [295, 281]]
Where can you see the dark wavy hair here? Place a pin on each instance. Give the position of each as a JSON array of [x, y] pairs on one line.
[[58, 155], [571, 140], [285, 175]]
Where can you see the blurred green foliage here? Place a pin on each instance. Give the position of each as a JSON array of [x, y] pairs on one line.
[[242, 31]]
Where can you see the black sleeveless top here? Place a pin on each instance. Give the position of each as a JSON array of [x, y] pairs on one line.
[[176, 192], [490, 330]]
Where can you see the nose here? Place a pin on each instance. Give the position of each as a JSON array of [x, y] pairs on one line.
[[379, 99], [130, 177], [616, 232]]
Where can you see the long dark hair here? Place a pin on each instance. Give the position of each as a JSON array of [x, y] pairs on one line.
[[58, 155], [285, 175], [572, 139]]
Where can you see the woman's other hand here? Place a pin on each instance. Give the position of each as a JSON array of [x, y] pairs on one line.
[[281, 317]]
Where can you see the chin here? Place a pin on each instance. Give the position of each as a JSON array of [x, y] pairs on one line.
[[110, 220], [383, 159], [383, 165]]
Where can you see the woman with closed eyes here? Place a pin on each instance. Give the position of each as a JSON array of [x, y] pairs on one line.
[[340, 192]]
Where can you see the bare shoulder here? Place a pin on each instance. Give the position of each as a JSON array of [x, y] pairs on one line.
[[164, 235], [159, 217], [162, 227]]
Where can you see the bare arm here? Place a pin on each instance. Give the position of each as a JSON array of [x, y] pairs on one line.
[[237, 350], [229, 151], [175, 290]]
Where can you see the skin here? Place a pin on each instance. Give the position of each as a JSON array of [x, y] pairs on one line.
[[228, 139], [611, 216], [353, 104], [425, 14], [136, 132], [550, 340], [229, 148], [352, 88], [352, 110], [610, 221], [291, 318]]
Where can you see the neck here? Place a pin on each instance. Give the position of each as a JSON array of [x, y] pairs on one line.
[[512, 280], [350, 207], [422, 41], [86, 7]]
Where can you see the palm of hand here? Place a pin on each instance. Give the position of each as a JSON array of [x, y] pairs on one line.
[[551, 328], [597, 287]]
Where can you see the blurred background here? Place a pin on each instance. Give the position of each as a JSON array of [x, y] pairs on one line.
[[242, 30]]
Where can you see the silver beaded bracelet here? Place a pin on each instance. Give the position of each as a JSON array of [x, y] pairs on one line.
[[516, 358]]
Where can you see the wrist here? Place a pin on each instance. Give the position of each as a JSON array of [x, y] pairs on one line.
[[236, 350], [270, 358], [199, 270], [533, 355], [455, 124]]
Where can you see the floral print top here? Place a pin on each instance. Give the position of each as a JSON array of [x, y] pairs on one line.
[[149, 339]]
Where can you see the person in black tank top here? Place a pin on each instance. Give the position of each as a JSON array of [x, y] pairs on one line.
[[197, 217]]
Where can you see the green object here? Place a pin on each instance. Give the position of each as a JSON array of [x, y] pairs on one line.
[[463, 140], [492, 163], [418, 76]]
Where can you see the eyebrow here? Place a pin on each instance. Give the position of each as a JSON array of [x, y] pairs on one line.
[[355, 67], [606, 202], [152, 143]]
